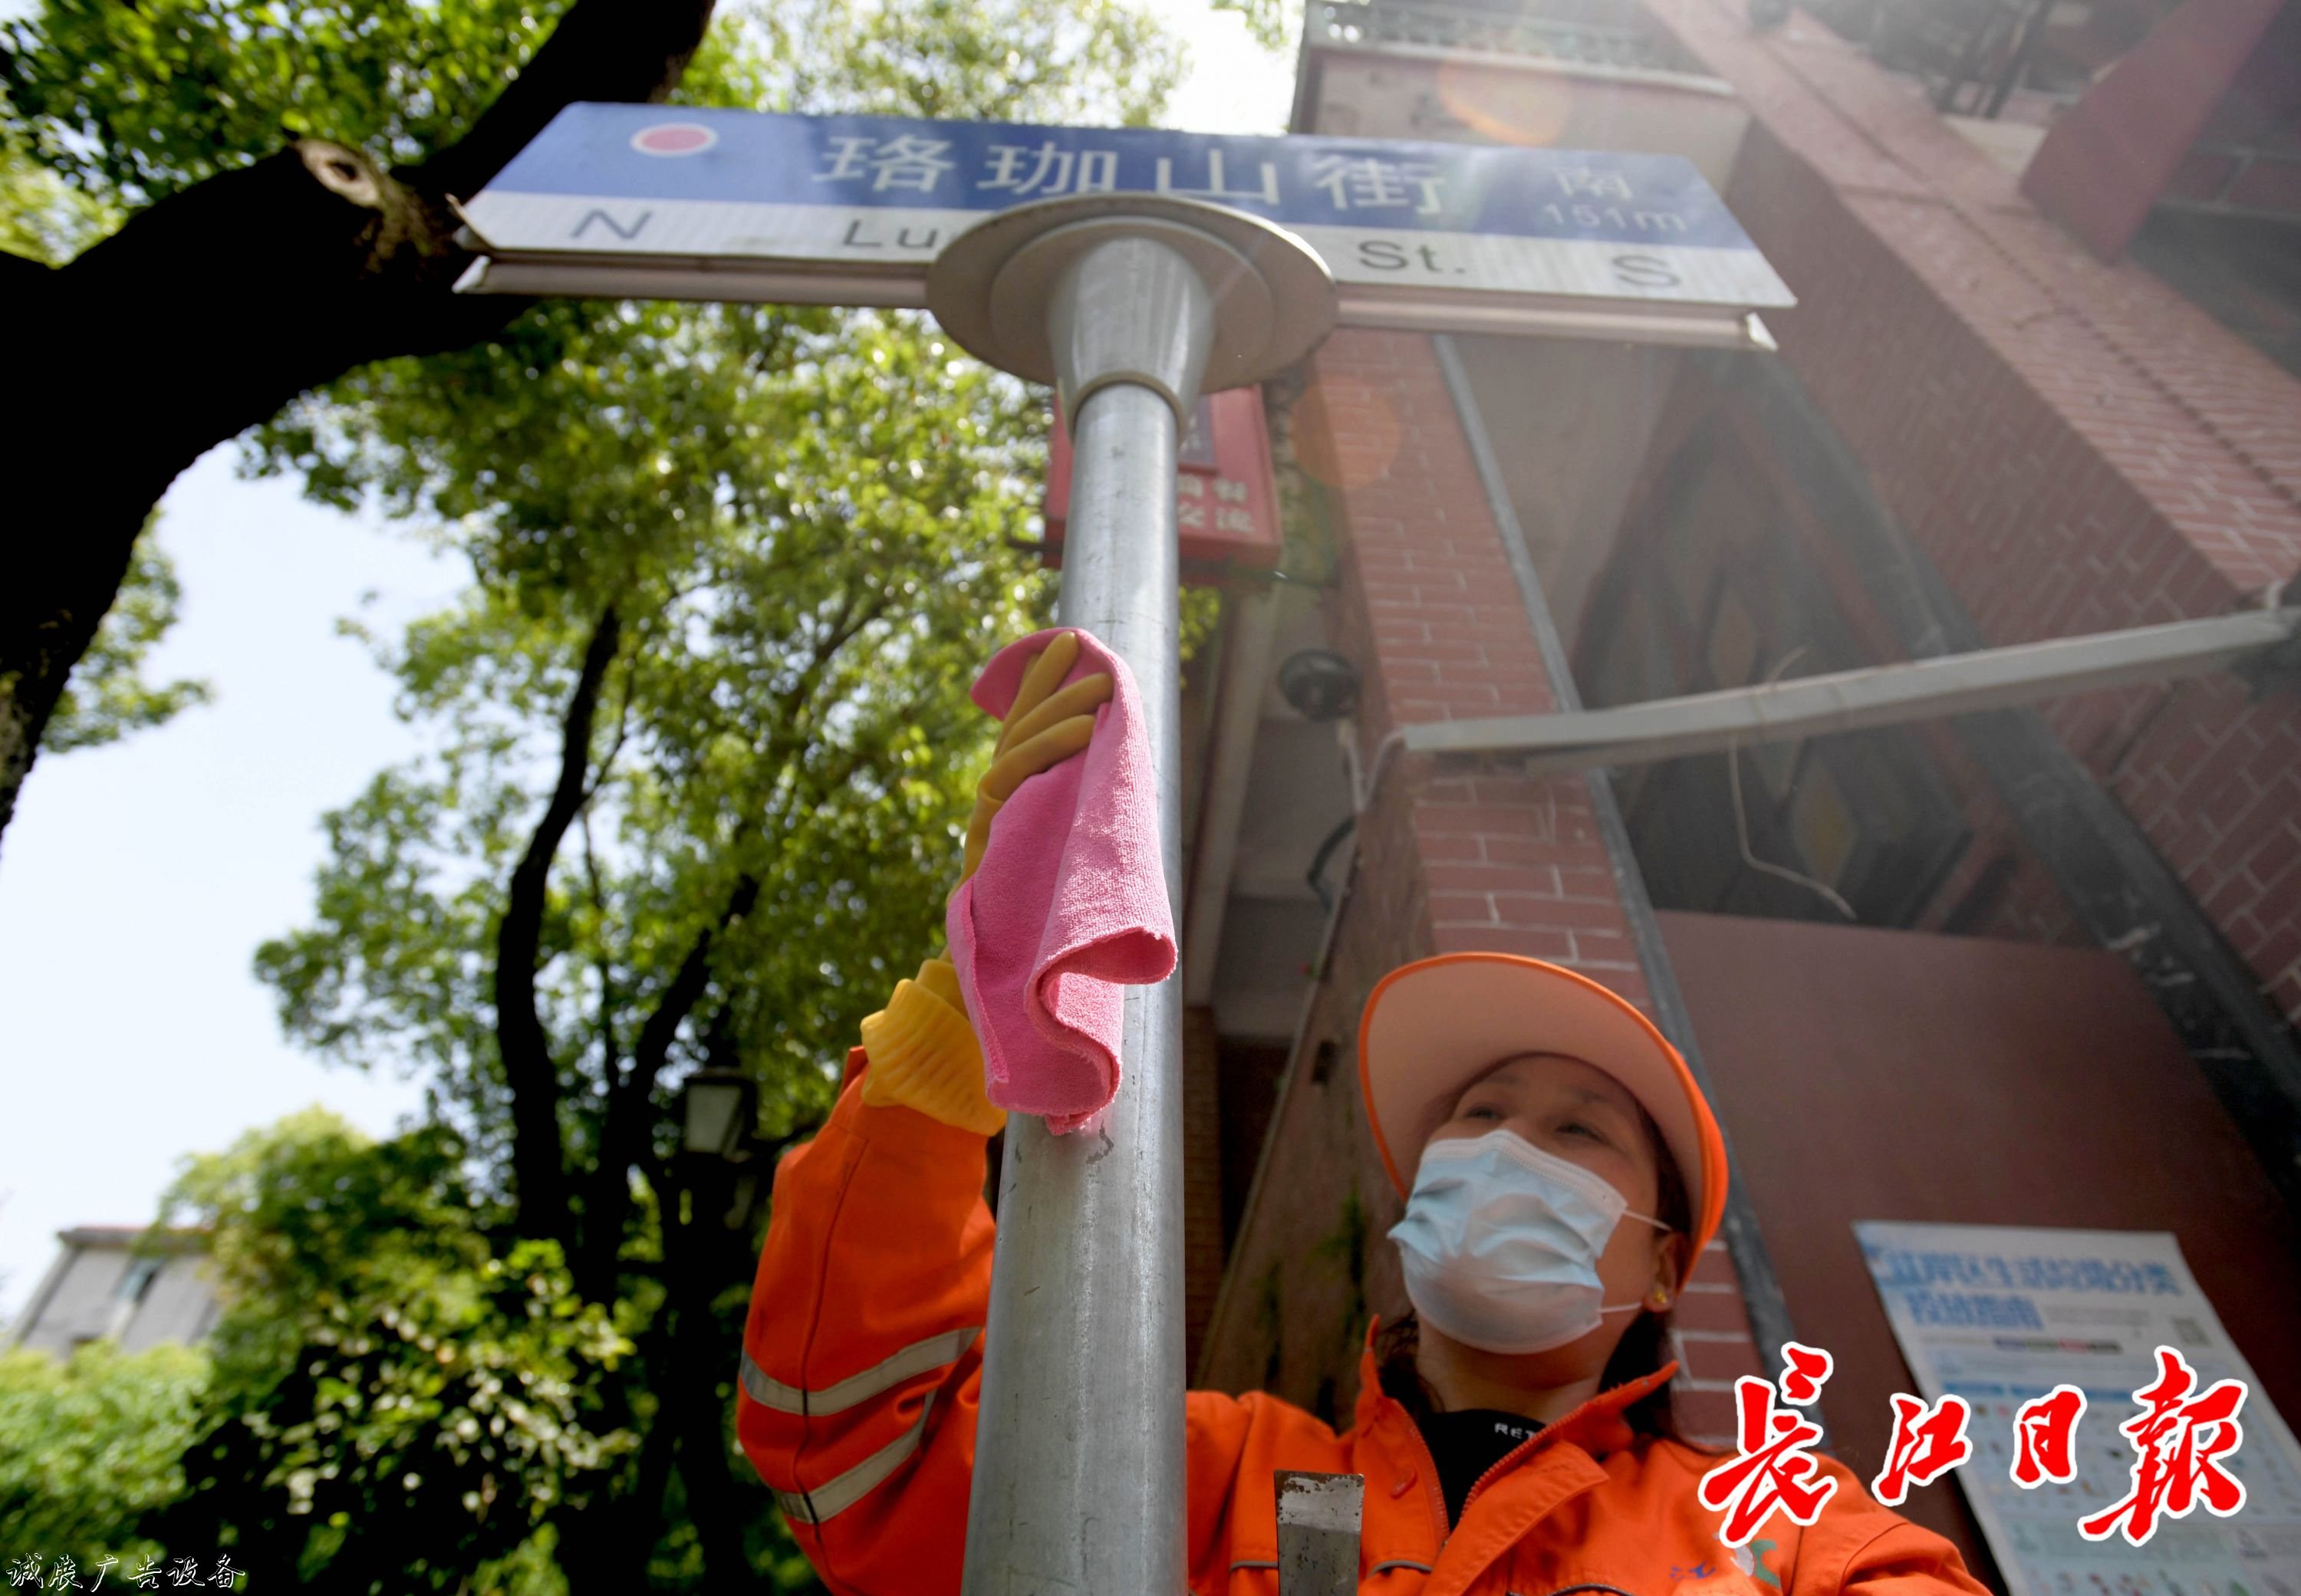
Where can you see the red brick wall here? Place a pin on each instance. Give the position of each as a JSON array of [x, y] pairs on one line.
[[1429, 610], [2215, 780], [2075, 446]]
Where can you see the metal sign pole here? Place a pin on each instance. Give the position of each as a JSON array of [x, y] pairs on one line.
[[1079, 1468], [1090, 1260]]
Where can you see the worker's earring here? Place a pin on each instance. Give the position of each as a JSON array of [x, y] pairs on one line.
[[1658, 1299]]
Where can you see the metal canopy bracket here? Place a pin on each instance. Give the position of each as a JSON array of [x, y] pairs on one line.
[[1130, 304], [1854, 700], [998, 289]]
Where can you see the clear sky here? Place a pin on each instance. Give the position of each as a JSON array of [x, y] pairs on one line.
[[137, 880]]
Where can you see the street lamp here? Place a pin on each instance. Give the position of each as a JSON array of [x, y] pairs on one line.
[[718, 1142], [719, 1109]]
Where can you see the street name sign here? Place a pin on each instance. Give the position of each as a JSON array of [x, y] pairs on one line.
[[665, 202]]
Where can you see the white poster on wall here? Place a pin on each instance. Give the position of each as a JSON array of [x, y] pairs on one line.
[[2003, 1316]]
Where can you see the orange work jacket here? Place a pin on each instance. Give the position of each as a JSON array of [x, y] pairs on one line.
[[862, 1365]]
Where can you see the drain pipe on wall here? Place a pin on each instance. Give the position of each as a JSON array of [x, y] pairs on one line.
[[1762, 1290], [1246, 675]]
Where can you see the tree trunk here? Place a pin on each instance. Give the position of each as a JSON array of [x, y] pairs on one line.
[[627, 1127], [718, 1510], [605, 1542], [531, 1071], [700, 1258], [210, 310]]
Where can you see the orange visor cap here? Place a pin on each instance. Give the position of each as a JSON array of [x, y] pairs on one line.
[[1433, 1026]]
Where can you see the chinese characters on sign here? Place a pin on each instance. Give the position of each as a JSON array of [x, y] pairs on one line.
[[1205, 504], [690, 196], [917, 164], [2106, 1409], [1050, 171], [66, 1573], [1367, 184], [1574, 200], [2180, 1442], [1225, 503]]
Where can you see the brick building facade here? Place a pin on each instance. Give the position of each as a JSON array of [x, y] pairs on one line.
[[2075, 445], [1430, 608], [1976, 433]]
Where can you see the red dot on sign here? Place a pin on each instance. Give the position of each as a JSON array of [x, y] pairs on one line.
[[673, 138]]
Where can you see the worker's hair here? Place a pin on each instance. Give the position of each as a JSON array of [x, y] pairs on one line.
[[1645, 1346]]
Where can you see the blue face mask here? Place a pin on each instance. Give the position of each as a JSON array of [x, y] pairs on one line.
[[1500, 1243]]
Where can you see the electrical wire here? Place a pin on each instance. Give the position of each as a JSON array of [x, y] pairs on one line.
[[1823, 890]]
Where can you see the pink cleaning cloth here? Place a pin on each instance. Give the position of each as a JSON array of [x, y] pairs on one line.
[[1068, 906]]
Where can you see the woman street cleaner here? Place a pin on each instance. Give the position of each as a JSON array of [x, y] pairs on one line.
[[1561, 1173]]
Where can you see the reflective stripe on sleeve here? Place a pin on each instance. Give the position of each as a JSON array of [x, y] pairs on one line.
[[836, 1496], [916, 1359]]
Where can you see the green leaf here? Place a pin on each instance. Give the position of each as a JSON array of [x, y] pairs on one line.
[[1274, 24], [89, 1444]]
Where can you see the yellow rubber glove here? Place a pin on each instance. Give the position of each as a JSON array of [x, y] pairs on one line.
[[924, 1054], [923, 1051], [1043, 727]]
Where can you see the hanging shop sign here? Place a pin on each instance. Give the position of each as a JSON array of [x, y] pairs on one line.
[[650, 201], [2095, 1372], [1225, 501]]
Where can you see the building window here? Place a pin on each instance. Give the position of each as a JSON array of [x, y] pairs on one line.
[[1712, 587], [137, 1284]]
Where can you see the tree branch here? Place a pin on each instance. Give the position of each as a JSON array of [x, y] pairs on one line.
[[212, 308], [610, 1054], [530, 1070], [820, 655], [624, 1128], [607, 760], [625, 50]]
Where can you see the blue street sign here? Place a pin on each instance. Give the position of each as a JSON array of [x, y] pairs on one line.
[[850, 209]]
